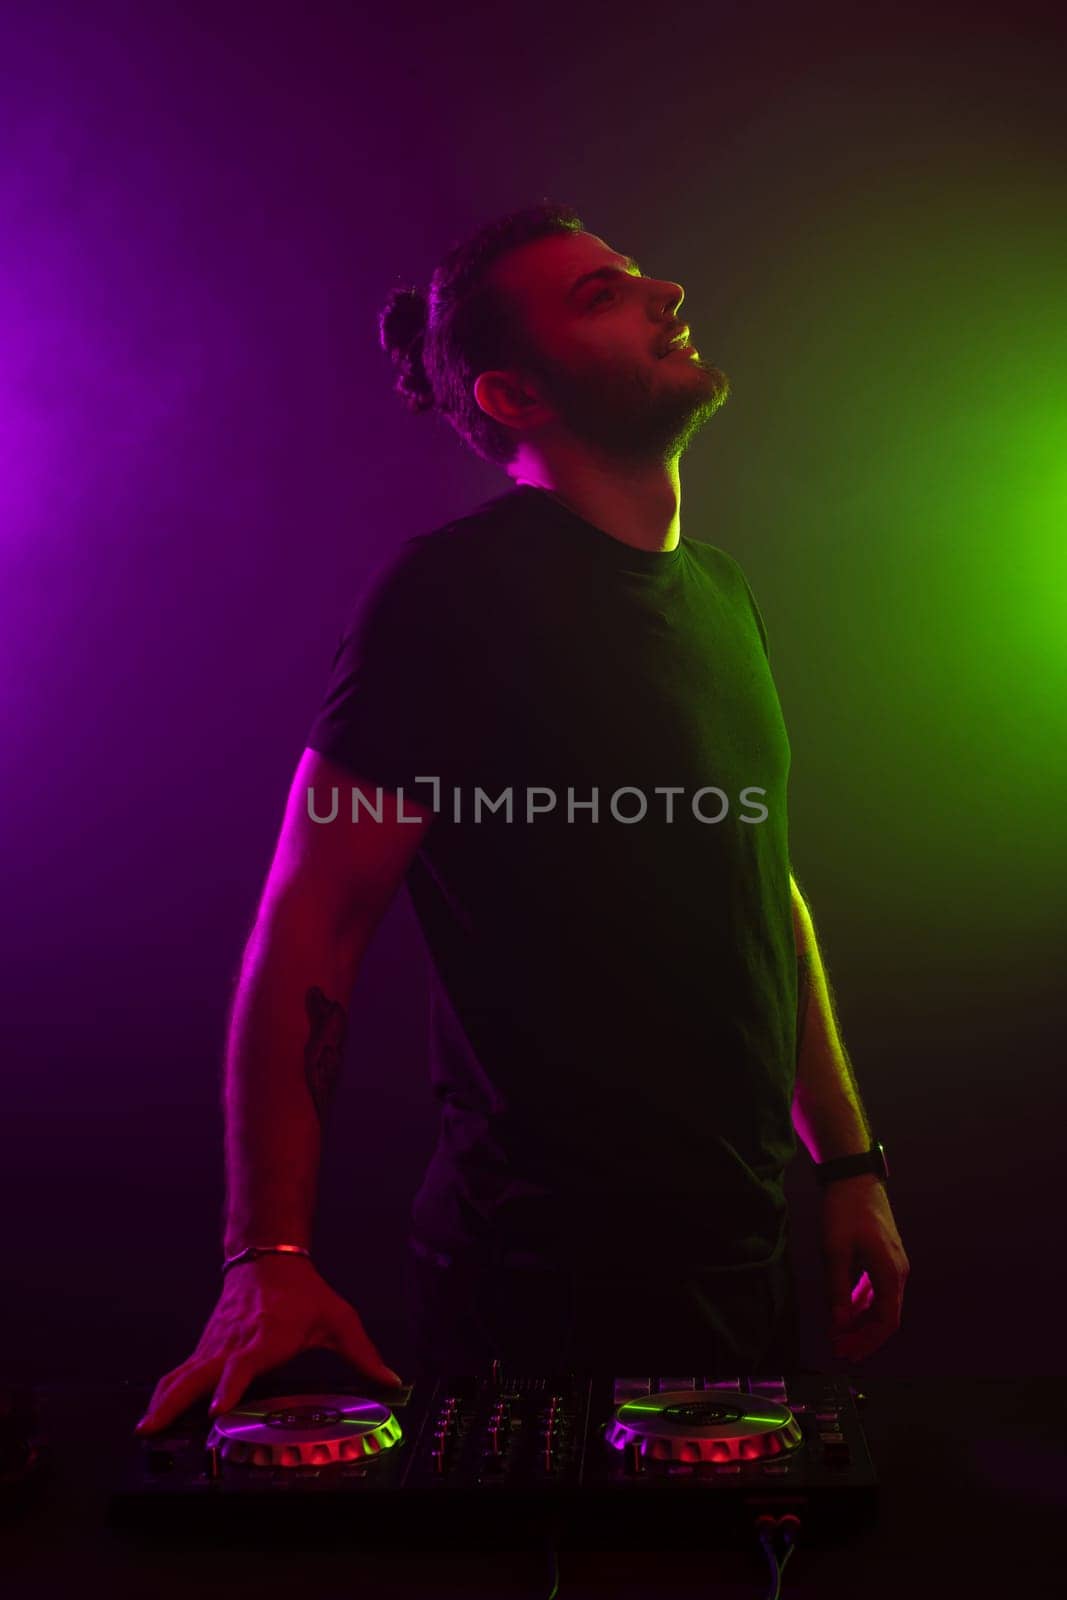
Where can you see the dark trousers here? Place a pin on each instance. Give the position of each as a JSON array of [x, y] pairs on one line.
[[548, 1319]]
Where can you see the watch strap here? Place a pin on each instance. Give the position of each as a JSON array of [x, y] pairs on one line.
[[872, 1160]]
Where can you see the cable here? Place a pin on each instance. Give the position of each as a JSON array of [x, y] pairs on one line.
[[552, 1536], [766, 1527], [553, 1573]]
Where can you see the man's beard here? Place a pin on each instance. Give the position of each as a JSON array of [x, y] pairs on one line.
[[630, 419]]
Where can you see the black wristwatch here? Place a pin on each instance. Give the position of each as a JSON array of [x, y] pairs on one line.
[[872, 1160]]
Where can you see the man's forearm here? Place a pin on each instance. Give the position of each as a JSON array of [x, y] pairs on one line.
[[283, 1055], [828, 1113]]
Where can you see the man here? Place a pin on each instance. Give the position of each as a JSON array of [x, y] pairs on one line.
[[555, 720]]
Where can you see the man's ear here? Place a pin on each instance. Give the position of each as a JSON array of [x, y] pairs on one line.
[[508, 399]]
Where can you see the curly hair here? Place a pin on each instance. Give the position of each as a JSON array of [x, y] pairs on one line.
[[467, 326]]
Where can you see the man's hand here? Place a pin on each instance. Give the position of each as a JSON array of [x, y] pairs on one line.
[[866, 1267], [268, 1311]]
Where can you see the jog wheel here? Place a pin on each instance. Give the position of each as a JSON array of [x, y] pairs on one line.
[[684, 1425], [304, 1430]]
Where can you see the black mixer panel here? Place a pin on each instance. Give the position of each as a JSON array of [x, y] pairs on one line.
[[593, 1460]]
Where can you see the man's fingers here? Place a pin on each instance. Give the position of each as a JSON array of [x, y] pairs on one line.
[[177, 1391], [355, 1346], [863, 1295], [881, 1314], [839, 1288], [164, 1387], [888, 1292], [862, 1340], [168, 1380], [241, 1367]]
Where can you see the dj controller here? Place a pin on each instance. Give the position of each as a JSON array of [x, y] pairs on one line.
[[595, 1461]]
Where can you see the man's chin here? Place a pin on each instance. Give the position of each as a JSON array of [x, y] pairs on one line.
[[718, 384], [712, 377], [719, 378]]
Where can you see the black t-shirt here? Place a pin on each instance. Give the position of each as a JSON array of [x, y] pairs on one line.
[[613, 1000]]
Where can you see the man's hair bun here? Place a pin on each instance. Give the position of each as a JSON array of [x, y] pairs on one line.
[[402, 325]]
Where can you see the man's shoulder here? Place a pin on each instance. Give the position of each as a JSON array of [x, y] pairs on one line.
[[463, 542], [719, 564], [709, 555], [471, 533], [445, 579]]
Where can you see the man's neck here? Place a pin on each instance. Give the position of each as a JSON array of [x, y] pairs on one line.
[[640, 507]]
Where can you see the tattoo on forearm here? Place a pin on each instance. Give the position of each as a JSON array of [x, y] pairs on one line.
[[324, 1049], [803, 991]]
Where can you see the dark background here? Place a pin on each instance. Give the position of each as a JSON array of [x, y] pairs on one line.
[[205, 206]]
